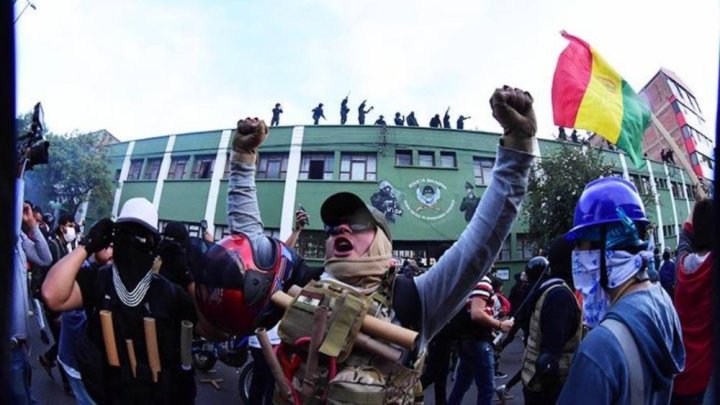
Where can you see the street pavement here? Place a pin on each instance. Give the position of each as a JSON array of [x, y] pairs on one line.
[[49, 392]]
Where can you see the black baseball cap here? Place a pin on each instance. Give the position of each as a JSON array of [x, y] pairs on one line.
[[340, 207]]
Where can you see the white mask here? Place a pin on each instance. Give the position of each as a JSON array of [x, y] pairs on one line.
[[621, 266], [586, 277], [69, 234]]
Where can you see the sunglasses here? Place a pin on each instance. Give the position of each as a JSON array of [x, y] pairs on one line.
[[356, 227]]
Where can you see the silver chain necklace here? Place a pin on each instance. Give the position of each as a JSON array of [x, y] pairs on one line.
[[132, 298]]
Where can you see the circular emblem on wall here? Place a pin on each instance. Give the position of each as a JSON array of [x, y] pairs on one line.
[[432, 202]]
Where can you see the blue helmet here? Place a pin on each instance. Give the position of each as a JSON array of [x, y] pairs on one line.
[[599, 205]]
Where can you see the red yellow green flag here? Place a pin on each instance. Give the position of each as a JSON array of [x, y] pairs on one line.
[[588, 93]]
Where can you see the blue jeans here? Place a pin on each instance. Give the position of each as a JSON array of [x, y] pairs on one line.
[[476, 363], [20, 374], [78, 388]]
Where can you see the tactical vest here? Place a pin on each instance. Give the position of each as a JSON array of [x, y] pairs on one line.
[[532, 350], [345, 374], [120, 384]]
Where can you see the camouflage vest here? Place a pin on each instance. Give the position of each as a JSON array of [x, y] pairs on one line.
[[532, 351], [345, 374]]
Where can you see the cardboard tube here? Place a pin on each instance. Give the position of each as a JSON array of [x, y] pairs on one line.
[[109, 337], [131, 356], [152, 347], [377, 347], [186, 335], [273, 363], [372, 326]]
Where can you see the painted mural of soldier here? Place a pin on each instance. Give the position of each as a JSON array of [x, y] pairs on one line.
[[385, 200], [469, 202]]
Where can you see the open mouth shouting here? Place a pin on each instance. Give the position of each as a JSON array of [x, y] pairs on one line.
[[342, 246]]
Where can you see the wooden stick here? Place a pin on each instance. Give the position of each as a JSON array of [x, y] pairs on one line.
[[131, 356], [273, 363], [152, 347], [109, 337], [372, 326]]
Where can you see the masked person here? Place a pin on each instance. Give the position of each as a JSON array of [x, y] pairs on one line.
[[357, 276], [634, 347], [554, 325], [317, 114], [141, 362], [172, 247], [362, 112], [63, 242]]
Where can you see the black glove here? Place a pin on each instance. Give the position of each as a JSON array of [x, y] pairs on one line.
[[99, 237]]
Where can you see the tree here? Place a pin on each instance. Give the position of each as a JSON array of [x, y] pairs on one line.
[[555, 188], [77, 168]]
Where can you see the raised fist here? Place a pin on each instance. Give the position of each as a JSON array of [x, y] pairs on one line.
[[512, 108], [250, 134]]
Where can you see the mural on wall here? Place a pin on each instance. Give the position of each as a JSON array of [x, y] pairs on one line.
[[469, 203], [430, 205], [386, 201]]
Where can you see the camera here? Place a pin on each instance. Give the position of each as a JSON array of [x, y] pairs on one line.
[[31, 149]]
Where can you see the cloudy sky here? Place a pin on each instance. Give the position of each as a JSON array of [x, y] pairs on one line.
[[151, 67]]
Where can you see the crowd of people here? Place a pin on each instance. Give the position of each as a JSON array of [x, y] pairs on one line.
[[362, 110], [601, 321]]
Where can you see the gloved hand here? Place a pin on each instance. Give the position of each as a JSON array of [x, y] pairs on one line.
[[250, 134], [512, 108], [99, 237]]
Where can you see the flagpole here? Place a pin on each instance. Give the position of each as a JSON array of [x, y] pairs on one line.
[[680, 155]]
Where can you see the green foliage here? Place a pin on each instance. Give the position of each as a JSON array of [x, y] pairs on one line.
[[555, 187], [77, 169]]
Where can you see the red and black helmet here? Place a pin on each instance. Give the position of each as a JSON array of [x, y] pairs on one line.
[[233, 291]]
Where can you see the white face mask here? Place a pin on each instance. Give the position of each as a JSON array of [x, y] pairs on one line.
[[69, 234], [621, 266], [586, 277]]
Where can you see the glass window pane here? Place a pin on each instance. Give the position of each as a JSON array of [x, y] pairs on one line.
[[273, 171], [345, 163], [371, 163], [358, 171]]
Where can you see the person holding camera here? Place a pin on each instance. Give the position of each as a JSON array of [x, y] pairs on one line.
[[135, 316], [31, 247]]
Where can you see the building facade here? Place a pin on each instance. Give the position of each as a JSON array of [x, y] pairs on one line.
[[677, 109], [426, 181]]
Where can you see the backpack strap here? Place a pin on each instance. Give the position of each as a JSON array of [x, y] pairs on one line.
[[632, 357]]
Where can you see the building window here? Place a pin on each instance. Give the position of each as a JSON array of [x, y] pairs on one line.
[[426, 159], [403, 158], [203, 167], [676, 189], [135, 168], [152, 168], [317, 166], [690, 191], [311, 244], [117, 174], [177, 168], [447, 159], [272, 166], [525, 247], [358, 166], [483, 170], [661, 184], [504, 254]]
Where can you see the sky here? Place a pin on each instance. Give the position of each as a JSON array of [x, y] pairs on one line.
[[149, 68]]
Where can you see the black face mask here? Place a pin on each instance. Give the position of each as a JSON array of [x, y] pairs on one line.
[[171, 252], [134, 254]]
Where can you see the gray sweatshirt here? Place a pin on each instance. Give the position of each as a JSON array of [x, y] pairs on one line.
[[444, 288]]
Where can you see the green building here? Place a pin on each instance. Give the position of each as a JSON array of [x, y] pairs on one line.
[[424, 179]]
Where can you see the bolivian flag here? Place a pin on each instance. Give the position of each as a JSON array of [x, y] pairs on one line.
[[588, 93]]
